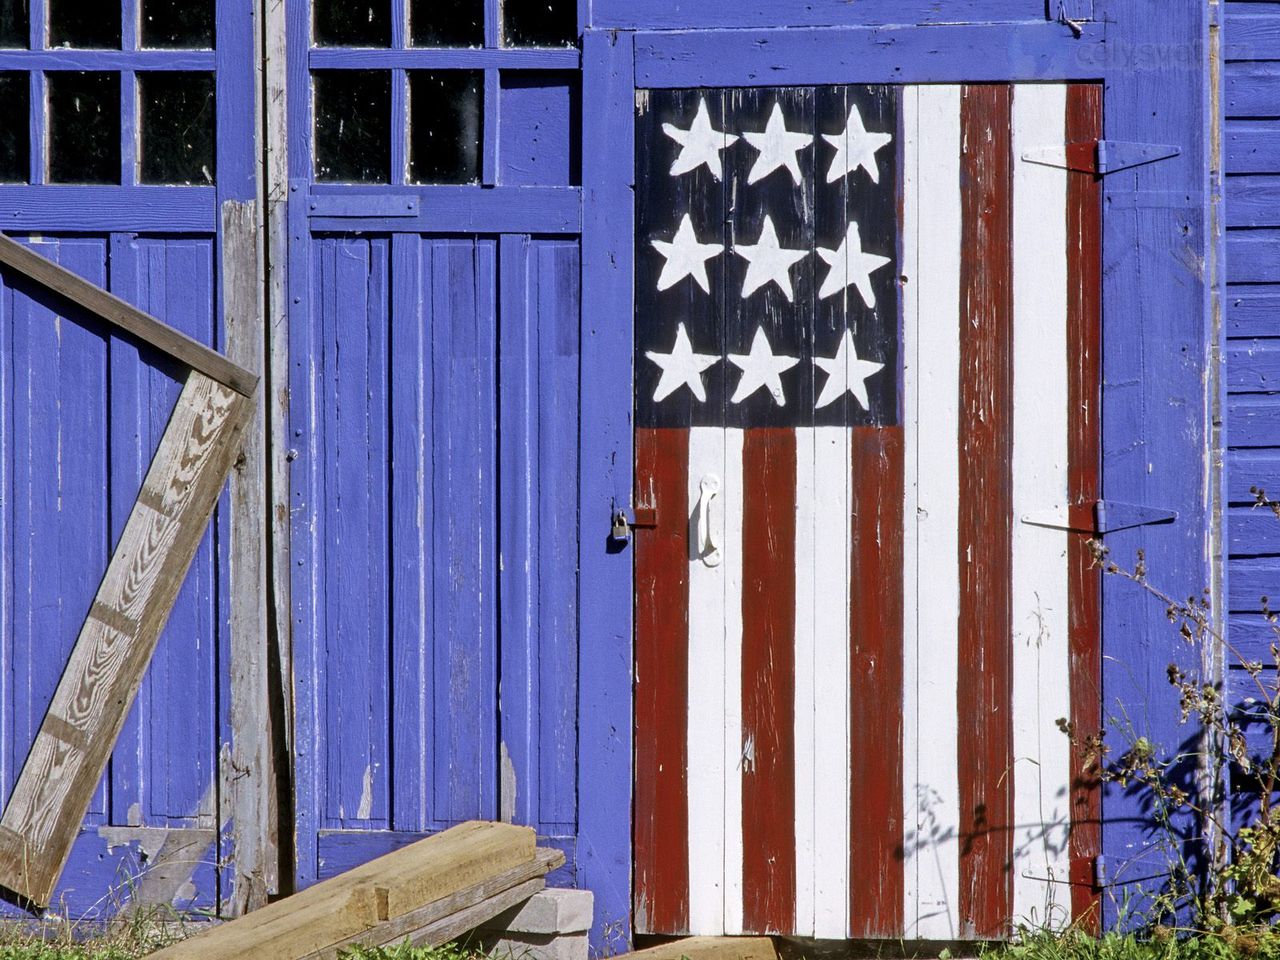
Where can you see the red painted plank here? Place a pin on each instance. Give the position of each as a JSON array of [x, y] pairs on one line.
[[661, 832], [768, 679], [875, 627], [985, 684], [1084, 339]]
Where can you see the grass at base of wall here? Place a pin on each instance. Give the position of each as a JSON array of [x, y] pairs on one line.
[[1232, 943]]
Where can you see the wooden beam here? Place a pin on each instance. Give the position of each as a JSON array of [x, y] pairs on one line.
[[431, 870], [709, 948], [424, 925], [100, 303], [133, 602]]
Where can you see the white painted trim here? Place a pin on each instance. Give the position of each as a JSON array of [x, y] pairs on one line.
[[1041, 665], [806, 700], [733, 747]]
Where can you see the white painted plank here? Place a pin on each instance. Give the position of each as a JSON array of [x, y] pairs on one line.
[[733, 493], [1041, 776], [831, 495], [931, 262], [805, 699], [707, 771]]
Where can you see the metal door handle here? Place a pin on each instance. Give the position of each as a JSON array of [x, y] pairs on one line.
[[708, 549]]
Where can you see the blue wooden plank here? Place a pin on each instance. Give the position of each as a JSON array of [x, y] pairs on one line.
[[1254, 256], [743, 58], [9, 403], [1254, 419], [1251, 35], [1252, 311], [1252, 146], [1252, 201], [94, 210], [449, 209], [1249, 89], [605, 442], [1252, 468], [693, 14], [413, 518], [426, 58], [355, 644], [1253, 366], [1250, 637], [67, 58], [1154, 393], [1252, 532], [464, 649], [1253, 578], [237, 124], [537, 136]]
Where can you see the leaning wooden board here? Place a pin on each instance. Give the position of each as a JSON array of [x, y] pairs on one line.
[[352, 903], [119, 635]]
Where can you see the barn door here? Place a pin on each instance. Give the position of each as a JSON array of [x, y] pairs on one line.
[[433, 282], [866, 401], [127, 131]]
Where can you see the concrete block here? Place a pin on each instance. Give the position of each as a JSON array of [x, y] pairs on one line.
[[539, 946], [551, 911]]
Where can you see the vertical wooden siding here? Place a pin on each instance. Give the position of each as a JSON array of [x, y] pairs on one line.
[[82, 412], [442, 390]]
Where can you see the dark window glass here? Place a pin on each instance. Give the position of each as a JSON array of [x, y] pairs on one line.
[[15, 128], [353, 125], [78, 23], [84, 127], [181, 24], [539, 23], [177, 127], [14, 29], [353, 23], [445, 107], [446, 23]]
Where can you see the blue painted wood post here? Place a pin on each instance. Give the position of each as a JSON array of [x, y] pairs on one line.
[[605, 611]]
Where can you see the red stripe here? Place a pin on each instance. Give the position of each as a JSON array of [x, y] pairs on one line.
[[875, 627], [662, 682], [768, 679], [985, 683], [1084, 339]]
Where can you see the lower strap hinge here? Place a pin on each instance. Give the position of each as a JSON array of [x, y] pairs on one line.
[[1098, 517]]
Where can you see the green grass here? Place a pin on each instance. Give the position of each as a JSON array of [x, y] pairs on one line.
[[1233, 943]]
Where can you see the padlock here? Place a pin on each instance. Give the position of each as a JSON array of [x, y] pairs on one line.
[[621, 531]]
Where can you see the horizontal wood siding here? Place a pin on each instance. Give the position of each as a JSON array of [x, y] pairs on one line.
[[81, 413], [1252, 314]]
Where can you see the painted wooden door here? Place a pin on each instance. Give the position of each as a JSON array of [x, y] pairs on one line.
[[434, 269], [867, 325], [126, 130]]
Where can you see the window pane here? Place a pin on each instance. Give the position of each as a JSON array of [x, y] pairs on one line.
[[177, 127], [84, 127], [183, 24], [353, 23], [446, 23], [539, 23], [75, 23], [353, 125], [15, 128], [445, 107], [14, 30]]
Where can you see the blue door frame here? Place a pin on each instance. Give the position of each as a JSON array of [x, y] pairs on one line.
[[1154, 351]]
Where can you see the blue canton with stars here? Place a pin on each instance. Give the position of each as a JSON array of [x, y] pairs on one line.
[[766, 279]]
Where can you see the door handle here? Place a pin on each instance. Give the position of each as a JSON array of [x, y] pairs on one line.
[[708, 550]]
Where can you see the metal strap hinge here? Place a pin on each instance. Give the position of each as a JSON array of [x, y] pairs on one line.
[[1100, 517], [624, 522], [1101, 157]]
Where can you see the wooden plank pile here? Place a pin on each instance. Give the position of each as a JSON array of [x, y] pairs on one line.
[[428, 893]]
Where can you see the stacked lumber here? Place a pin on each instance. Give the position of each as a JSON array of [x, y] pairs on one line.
[[429, 892]]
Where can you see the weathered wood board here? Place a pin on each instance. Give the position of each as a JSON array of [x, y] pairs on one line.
[[111, 654]]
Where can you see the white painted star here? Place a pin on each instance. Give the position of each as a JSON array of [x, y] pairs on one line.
[[855, 148], [850, 265], [846, 373], [681, 367], [685, 257], [761, 368], [778, 147], [700, 144], [767, 262]]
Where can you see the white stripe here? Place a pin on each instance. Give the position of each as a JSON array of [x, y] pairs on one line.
[[931, 356], [1041, 775], [733, 747], [706, 745], [805, 694], [831, 498]]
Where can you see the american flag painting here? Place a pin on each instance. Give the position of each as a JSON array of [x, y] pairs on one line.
[[866, 401]]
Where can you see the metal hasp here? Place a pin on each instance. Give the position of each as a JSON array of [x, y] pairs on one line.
[[137, 593], [1101, 517]]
